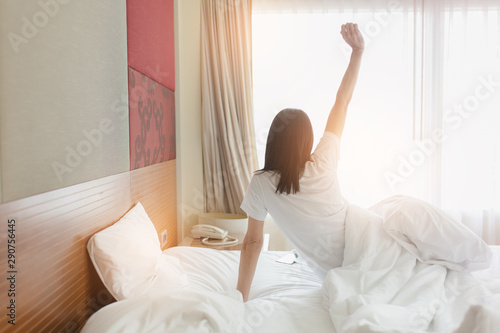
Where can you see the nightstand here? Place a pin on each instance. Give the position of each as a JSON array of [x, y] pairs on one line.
[[196, 242]]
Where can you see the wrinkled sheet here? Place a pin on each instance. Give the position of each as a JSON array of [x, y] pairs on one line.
[[381, 287], [283, 298]]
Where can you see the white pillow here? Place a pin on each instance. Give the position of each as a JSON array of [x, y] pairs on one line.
[[128, 257], [432, 235]]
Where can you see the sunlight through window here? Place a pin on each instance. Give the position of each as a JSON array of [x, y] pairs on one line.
[[387, 146], [299, 61]]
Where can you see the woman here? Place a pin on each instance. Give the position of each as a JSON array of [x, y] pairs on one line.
[[298, 189]]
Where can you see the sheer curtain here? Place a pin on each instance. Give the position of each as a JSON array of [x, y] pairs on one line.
[[404, 132], [229, 156], [470, 156]]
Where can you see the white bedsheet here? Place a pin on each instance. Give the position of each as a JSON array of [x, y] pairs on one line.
[[381, 287], [283, 298]]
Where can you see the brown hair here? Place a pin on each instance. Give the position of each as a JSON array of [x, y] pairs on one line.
[[288, 148]]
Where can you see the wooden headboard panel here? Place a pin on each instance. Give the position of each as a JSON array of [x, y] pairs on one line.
[[56, 286]]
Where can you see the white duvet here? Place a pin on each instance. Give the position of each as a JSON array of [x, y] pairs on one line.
[[382, 287], [284, 298]]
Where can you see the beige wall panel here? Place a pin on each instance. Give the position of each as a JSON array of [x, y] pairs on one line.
[[190, 197], [63, 94]]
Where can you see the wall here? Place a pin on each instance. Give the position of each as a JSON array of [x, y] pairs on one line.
[[63, 94], [188, 104]]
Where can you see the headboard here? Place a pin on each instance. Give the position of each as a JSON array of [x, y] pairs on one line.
[[56, 286]]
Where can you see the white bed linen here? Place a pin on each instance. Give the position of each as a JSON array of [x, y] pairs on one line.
[[431, 234], [381, 287], [283, 298]]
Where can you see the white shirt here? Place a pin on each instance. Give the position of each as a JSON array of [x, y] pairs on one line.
[[313, 218]]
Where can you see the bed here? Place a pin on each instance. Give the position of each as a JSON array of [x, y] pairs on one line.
[[382, 286]]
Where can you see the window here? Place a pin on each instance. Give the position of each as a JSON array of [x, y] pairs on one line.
[[299, 61], [404, 132]]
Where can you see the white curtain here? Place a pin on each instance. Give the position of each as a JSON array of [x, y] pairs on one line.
[[404, 132], [470, 155], [229, 156]]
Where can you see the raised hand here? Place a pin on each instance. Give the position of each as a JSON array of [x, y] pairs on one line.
[[337, 117], [352, 36]]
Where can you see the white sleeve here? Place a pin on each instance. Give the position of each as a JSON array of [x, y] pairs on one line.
[[253, 203], [327, 151]]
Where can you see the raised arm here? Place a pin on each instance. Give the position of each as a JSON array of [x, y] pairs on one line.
[[250, 251], [336, 119]]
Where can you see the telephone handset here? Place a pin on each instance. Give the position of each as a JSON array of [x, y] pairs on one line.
[[206, 232]]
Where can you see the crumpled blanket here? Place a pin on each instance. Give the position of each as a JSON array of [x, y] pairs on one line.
[[382, 287]]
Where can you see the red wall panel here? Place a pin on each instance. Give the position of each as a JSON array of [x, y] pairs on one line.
[[150, 37], [152, 121]]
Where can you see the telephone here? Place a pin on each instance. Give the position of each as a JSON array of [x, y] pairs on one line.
[[206, 232]]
